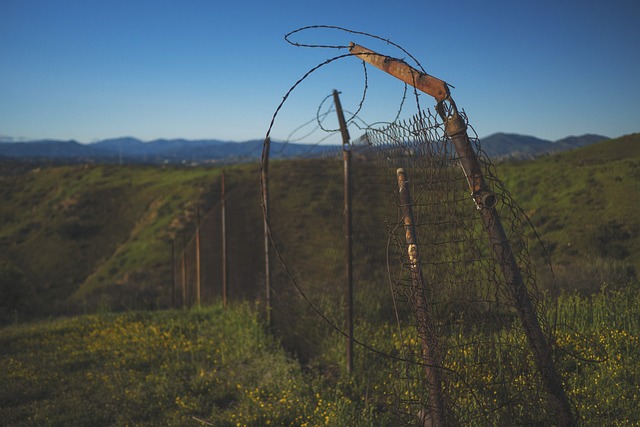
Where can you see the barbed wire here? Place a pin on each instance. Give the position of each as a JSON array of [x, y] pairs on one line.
[[287, 38], [467, 290], [349, 31]]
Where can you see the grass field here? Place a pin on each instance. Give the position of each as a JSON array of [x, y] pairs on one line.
[[96, 239], [219, 367]]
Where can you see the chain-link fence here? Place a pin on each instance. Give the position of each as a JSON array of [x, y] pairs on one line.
[[444, 298]]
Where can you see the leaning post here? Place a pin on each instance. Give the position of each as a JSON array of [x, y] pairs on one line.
[[456, 130], [427, 333], [485, 201]]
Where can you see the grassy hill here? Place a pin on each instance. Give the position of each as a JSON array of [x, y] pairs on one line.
[[97, 238], [171, 368], [78, 237], [583, 203], [66, 231]]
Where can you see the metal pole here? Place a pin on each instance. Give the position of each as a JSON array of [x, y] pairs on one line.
[[173, 273], [485, 200], [456, 130], [346, 154], [267, 243], [224, 241], [184, 271], [435, 416]]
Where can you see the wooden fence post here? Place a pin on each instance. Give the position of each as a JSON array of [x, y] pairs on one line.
[[427, 333], [485, 200], [456, 131]]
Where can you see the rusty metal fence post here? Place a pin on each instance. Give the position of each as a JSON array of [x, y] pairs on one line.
[[485, 200], [173, 273], [198, 278], [346, 154], [264, 176], [224, 240], [184, 271], [456, 131]]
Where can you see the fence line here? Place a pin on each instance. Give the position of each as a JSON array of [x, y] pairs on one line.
[[473, 345], [482, 282]]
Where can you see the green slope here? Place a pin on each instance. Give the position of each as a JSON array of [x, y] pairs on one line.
[[211, 366], [85, 236], [62, 226], [584, 203]]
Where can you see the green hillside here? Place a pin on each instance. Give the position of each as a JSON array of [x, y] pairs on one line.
[[61, 227], [75, 238], [98, 238], [584, 205], [170, 368], [217, 366]]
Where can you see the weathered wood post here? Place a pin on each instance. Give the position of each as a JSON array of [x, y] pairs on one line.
[[425, 324], [346, 155], [485, 200]]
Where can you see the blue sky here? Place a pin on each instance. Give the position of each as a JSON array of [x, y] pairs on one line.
[[88, 70]]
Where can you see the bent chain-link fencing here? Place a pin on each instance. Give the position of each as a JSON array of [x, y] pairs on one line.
[[447, 313], [438, 324], [483, 355]]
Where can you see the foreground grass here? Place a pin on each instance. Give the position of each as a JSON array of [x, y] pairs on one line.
[[157, 368], [219, 367]]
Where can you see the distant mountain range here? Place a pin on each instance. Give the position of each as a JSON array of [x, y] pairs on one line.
[[174, 151], [183, 151], [511, 145]]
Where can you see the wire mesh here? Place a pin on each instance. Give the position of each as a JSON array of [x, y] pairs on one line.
[[484, 360], [489, 376], [442, 308]]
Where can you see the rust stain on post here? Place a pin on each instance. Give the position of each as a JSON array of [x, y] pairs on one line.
[[403, 71]]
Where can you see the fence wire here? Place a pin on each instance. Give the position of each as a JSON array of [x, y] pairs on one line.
[[485, 362], [488, 372], [489, 375]]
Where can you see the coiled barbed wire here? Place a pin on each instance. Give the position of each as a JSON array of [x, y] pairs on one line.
[[422, 143]]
